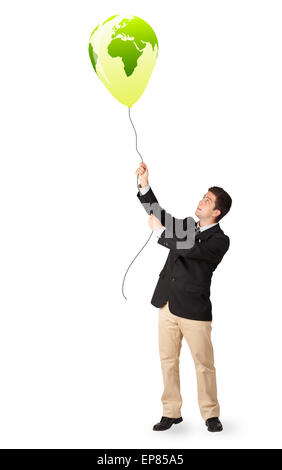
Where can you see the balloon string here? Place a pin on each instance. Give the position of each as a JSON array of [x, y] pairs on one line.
[[138, 190]]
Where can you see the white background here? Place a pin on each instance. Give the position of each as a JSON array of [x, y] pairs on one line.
[[79, 364]]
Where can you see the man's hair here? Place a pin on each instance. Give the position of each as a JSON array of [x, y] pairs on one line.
[[223, 201]]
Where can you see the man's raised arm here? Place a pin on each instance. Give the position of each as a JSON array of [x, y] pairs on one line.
[[174, 227]]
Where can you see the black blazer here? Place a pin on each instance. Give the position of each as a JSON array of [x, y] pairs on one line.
[[186, 276]]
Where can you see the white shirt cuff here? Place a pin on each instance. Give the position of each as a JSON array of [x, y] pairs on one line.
[[144, 190], [159, 232]]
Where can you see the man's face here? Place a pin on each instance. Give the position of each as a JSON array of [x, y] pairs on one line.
[[205, 210]]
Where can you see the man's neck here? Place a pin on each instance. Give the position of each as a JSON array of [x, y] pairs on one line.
[[204, 223]]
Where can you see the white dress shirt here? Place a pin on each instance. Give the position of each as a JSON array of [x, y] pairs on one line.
[[158, 232]]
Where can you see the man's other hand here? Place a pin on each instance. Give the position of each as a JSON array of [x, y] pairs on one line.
[[154, 223], [143, 174]]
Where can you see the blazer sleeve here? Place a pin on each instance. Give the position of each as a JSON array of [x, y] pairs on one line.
[[212, 250], [151, 204]]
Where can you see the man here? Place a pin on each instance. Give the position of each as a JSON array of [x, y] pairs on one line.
[[182, 295]]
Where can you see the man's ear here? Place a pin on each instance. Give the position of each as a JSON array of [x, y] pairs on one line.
[[216, 212]]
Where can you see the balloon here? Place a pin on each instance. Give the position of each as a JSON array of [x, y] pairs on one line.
[[123, 52]]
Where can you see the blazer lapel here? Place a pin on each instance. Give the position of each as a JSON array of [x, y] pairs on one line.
[[209, 231]]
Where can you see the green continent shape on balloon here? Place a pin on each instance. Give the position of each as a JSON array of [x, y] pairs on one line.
[[136, 33], [128, 53], [93, 56]]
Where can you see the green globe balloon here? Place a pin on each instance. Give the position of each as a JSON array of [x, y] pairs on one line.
[[123, 52]]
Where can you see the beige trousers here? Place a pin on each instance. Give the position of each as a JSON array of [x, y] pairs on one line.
[[197, 333]]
